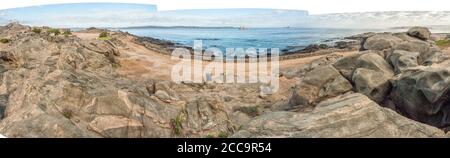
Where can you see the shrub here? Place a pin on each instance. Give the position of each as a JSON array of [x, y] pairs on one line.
[[103, 34], [4, 40], [223, 135], [37, 30], [67, 33], [443, 43], [177, 125], [249, 110], [54, 31], [67, 113]]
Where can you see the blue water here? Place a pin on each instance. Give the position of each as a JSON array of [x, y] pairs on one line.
[[222, 38]]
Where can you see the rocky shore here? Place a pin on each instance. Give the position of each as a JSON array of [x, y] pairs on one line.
[[79, 85]]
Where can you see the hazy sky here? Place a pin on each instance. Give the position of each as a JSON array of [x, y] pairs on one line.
[[313, 6]]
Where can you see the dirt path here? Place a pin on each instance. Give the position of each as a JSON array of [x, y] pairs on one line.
[[141, 63]]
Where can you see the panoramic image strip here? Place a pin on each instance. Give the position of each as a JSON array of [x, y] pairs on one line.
[[224, 69]]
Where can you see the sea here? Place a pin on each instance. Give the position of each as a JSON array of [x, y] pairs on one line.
[[282, 38]]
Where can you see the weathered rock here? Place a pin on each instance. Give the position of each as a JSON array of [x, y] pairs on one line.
[[374, 84], [422, 94], [382, 53], [162, 95], [303, 69], [402, 60], [352, 115], [55, 86], [374, 62], [116, 126], [381, 42], [347, 65], [420, 32], [318, 84], [206, 116]]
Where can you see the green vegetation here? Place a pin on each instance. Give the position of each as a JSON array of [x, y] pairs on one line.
[[177, 125], [103, 34], [67, 113], [104, 38], [4, 40], [67, 33], [54, 31], [443, 43], [249, 110], [37, 30], [223, 135]]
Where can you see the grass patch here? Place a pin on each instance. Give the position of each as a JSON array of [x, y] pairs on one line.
[[67, 33], [54, 31], [177, 125], [103, 34], [223, 135], [67, 113], [37, 30], [249, 110], [443, 43], [4, 40], [104, 38]]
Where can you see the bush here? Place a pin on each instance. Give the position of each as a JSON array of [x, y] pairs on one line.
[[223, 135], [54, 31], [37, 30], [103, 35], [443, 43], [177, 125], [67, 33], [4, 40], [67, 113]]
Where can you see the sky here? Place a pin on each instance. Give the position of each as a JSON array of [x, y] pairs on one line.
[[216, 13], [313, 6]]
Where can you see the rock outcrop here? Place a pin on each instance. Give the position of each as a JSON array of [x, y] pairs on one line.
[[351, 115], [66, 86], [403, 71], [320, 83], [422, 94], [420, 32]]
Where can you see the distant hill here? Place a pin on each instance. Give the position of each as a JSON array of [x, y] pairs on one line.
[[114, 15]]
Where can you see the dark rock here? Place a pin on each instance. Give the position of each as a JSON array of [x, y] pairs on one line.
[[420, 32], [422, 94]]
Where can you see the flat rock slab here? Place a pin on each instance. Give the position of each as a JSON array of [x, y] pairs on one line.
[[351, 115]]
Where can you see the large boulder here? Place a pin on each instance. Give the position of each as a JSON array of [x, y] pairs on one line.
[[347, 65], [320, 83], [371, 83], [374, 62], [351, 115], [402, 60], [422, 94], [381, 42], [301, 70], [420, 32], [369, 73]]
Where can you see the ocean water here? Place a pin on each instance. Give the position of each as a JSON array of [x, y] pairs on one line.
[[222, 38]]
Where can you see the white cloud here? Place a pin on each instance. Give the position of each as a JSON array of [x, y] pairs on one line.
[[314, 6]]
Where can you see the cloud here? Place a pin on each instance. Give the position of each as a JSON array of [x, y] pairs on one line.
[[123, 15]]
